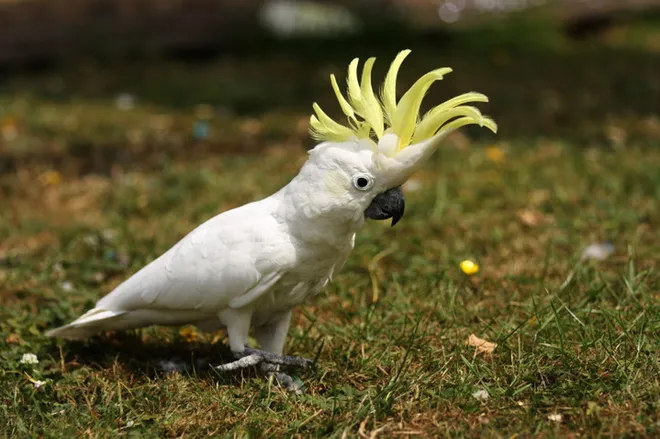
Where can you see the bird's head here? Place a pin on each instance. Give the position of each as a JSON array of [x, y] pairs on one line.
[[365, 162]]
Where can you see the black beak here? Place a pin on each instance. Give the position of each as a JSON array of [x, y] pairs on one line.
[[389, 204]]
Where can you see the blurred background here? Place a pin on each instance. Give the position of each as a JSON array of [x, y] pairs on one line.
[[92, 91], [581, 68]]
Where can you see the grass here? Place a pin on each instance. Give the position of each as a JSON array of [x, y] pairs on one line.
[[91, 193]]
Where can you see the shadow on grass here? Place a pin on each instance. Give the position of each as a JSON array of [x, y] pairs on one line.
[[148, 358]]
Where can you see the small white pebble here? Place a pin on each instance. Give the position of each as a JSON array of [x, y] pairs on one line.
[[66, 286], [29, 359], [555, 417], [481, 395], [598, 251], [129, 424]]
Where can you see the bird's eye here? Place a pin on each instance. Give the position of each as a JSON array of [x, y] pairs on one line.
[[363, 182]]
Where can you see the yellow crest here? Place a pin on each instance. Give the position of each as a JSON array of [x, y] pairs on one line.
[[369, 116]]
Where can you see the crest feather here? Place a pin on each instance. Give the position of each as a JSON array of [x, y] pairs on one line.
[[368, 116], [388, 94]]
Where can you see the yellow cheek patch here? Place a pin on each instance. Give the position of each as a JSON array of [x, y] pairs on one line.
[[371, 117], [336, 182]]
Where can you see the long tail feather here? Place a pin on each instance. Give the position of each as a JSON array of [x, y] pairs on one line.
[[88, 324]]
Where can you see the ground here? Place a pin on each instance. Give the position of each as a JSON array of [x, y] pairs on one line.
[[95, 184]]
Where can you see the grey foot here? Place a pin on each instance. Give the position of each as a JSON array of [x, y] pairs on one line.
[[269, 364], [251, 357]]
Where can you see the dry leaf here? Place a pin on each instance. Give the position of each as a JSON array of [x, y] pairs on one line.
[[189, 334], [530, 217], [14, 339], [483, 346]]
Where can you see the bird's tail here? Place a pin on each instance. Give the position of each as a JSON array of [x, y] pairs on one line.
[[90, 323], [99, 319]]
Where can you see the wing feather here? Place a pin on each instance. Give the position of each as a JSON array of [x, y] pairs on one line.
[[227, 261]]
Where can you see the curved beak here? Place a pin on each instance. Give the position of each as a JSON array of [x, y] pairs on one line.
[[388, 204]]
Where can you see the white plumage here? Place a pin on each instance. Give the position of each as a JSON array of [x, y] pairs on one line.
[[245, 267]]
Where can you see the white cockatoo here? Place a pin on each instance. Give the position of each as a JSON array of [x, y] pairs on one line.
[[247, 268]]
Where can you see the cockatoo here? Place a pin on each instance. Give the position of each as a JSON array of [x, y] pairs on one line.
[[247, 268]]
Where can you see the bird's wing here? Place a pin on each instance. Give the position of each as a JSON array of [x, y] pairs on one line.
[[230, 260]]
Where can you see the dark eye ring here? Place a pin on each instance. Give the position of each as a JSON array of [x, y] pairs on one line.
[[363, 182]]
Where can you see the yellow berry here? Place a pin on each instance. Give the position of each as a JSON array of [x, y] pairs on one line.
[[469, 267]]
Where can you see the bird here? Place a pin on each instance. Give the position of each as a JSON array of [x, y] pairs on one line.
[[246, 269]]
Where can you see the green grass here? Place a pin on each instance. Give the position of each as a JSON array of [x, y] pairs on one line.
[[580, 339]]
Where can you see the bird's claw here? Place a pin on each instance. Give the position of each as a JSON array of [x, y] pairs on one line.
[[251, 357], [285, 381], [269, 364]]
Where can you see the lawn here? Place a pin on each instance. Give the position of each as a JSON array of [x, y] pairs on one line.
[[102, 168]]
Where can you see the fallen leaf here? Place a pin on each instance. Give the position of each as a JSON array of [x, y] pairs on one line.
[[189, 334], [13, 339], [483, 346], [530, 217]]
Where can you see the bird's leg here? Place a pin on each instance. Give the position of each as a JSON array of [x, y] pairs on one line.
[[271, 338], [238, 328]]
